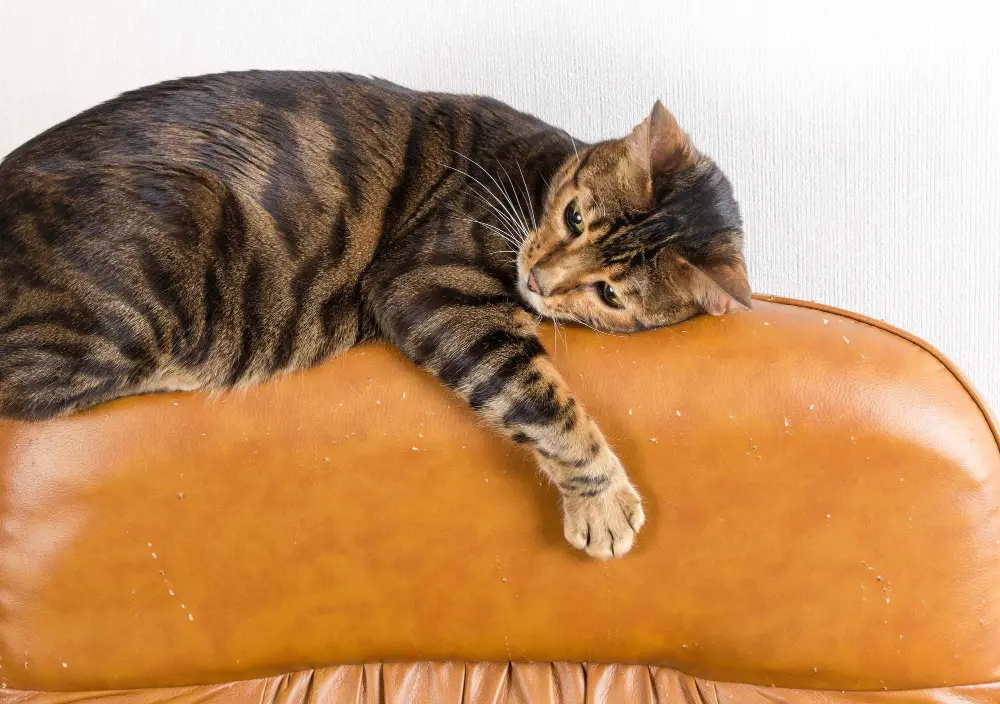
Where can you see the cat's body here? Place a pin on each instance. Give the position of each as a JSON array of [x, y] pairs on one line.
[[223, 228], [217, 231]]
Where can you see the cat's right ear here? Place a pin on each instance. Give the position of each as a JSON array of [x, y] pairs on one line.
[[655, 147], [670, 148]]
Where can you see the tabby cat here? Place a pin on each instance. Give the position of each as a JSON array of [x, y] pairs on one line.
[[217, 231]]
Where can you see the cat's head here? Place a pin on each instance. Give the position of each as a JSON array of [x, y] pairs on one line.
[[636, 233]]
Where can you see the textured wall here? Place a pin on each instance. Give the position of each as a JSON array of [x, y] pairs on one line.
[[863, 137]]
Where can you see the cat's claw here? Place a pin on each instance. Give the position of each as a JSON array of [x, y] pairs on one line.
[[605, 525]]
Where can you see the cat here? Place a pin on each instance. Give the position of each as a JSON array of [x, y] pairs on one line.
[[216, 231]]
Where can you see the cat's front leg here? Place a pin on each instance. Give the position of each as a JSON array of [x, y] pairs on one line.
[[460, 324], [602, 512]]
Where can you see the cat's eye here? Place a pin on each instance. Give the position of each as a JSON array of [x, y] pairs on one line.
[[608, 295], [574, 218]]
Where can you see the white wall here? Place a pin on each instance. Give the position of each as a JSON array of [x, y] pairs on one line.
[[863, 137]]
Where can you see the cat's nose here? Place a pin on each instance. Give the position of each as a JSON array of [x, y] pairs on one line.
[[532, 283]]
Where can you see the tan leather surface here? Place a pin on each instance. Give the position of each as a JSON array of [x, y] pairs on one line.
[[821, 496], [500, 683]]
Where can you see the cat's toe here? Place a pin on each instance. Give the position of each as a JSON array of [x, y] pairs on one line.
[[605, 525], [623, 542], [576, 530], [602, 545], [634, 515]]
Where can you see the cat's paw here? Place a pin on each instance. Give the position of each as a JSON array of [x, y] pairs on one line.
[[605, 525]]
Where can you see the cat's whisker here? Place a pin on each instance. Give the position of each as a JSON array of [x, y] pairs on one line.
[[548, 184], [503, 219], [516, 198], [510, 211], [505, 251], [512, 245], [480, 165], [575, 319], [573, 144], [516, 230], [498, 184], [507, 237], [561, 329], [555, 335], [506, 214], [503, 215], [527, 195]]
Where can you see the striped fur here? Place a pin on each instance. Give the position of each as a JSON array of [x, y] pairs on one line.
[[217, 231]]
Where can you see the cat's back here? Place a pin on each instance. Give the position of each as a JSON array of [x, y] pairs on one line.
[[314, 138], [273, 166], [288, 154], [217, 118], [249, 115]]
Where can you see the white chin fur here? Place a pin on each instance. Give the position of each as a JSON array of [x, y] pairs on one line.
[[533, 300]]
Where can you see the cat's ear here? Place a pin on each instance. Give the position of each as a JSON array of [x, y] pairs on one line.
[[721, 286], [637, 173], [669, 147], [656, 146]]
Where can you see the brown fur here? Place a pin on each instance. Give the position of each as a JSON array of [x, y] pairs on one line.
[[217, 231]]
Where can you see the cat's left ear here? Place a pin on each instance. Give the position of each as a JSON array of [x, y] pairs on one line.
[[720, 285], [655, 147]]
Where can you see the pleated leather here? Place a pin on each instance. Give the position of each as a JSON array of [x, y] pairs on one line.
[[500, 683]]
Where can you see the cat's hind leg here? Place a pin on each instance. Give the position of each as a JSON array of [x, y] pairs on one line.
[[55, 363]]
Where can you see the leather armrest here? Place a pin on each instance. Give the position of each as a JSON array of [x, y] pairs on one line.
[[820, 492]]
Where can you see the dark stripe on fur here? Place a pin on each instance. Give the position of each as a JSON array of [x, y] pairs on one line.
[[462, 364], [253, 304], [517, 363]]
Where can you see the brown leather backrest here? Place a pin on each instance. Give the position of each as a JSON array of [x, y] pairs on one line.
[[821, 494]]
